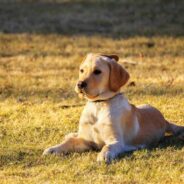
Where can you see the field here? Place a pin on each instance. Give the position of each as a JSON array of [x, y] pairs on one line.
[[41, 46]]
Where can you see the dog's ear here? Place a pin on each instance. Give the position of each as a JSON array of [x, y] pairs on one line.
[[112, 56], [118, 76]]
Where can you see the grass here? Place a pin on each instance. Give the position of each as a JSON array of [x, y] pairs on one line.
[[38, 71]]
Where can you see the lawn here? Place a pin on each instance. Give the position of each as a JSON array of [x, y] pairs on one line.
[[41, 46]]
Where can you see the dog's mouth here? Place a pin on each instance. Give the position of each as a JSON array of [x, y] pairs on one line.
[[83, 93], [80, 93]]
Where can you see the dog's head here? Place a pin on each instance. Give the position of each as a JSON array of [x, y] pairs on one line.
[[100, 77]]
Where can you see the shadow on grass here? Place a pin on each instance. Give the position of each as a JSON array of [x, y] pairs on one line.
[[26, 157], [123, 18], [14, 157], [171, 141]]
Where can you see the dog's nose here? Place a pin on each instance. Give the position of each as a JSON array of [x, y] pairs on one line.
[[82, 84]]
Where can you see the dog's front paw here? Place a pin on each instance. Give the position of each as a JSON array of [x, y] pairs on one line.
[[51, 150], [105, 156]]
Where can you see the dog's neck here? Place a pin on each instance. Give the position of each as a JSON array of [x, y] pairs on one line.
[[105, 97]]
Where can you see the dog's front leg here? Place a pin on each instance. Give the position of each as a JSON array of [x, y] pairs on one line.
[[72, 143], [111, 151]]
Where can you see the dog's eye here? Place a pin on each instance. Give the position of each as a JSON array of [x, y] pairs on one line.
[[97, 72], [81, 70]]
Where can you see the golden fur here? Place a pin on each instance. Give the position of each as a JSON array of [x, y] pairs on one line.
[[109, 122]]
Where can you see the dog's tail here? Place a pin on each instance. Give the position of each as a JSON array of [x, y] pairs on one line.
[[175, 130]]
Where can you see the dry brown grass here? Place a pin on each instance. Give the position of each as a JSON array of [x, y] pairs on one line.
[[38, 71]]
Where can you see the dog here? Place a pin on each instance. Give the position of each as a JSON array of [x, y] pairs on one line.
[[109, 122]]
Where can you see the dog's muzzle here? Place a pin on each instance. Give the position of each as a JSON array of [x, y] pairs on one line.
[[81, 85]]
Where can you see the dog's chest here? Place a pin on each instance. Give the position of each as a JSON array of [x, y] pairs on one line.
[[91, 122], [101, 118]]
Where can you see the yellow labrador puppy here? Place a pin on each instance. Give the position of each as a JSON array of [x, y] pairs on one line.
[[109, 122]]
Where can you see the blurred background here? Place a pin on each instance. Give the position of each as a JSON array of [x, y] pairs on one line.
[[112, 18], [44, 40]]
